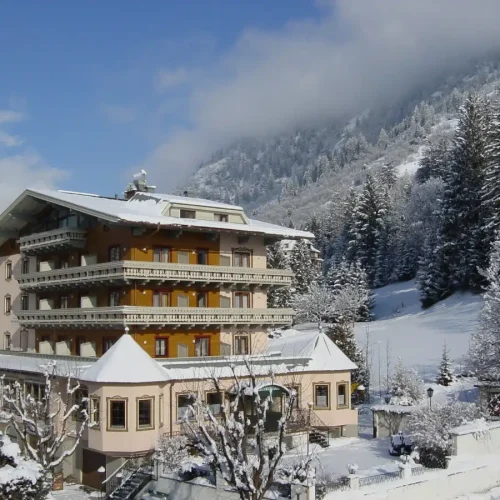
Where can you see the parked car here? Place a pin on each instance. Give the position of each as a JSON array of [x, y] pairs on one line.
[[400, 445]]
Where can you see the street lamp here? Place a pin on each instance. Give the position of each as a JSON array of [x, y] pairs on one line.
[[102, 475], [430, 393]]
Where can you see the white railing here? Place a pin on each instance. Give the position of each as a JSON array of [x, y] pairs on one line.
[[57, 237], [133, 315], [153, 271]]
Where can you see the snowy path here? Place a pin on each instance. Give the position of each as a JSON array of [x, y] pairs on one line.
[[416, 335]]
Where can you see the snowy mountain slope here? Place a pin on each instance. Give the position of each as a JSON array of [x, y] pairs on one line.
[[296, 174], [416, 335]]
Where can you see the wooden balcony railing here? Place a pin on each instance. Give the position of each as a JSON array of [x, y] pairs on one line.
[[118, 317], [53, 240], [155, 272]]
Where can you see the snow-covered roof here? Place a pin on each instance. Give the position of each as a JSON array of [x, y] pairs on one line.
[[141, 209], [399, 409], [126, 363]]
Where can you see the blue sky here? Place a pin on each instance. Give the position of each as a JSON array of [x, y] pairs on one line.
[[99, 84], [92, 91]]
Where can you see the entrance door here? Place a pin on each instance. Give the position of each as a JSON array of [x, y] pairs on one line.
[[92, 460]]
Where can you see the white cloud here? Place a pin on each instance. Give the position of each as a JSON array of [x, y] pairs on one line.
[[359, 53], [120, 114], [9, 116], [26, 170], [8, 140], [166, 79]]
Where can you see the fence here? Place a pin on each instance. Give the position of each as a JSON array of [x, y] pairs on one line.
[[379, 478]]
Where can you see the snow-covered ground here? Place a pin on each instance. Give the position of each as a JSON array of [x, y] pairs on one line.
[[493, 494], [416, 335]]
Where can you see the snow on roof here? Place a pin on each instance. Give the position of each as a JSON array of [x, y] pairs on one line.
[[399, 409], [477, 426], [126, 363], [147, 208], [187, 200], [322, 353]]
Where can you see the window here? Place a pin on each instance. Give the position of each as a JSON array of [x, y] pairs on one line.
[[242, 300], [183, 257], [202, 346], [114, 298], [184, 402], [95, 411], [114, 253], [79, 342], [221, 218], [24, 302], [107, 343], [8, 304], [201, 299], [7, 341], [145, 413], [161, 254], [161, 347], [63, 302], [342, 395], [295, 391], [241, 259], [182, 300], [63, 262], [161, 299], [25, 266], [321, 396], [117, 414], [241, 344], [188, 214], [8, 270], [214, 402], [35, 390], [202, 257], [80, 399]]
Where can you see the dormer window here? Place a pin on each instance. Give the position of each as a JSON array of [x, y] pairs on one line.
[[188, 214], [221, 218]]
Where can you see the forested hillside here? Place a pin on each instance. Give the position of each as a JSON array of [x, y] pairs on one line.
[[408, 191]]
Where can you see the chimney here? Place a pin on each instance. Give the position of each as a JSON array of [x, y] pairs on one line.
[[139, 184], [186, 194]]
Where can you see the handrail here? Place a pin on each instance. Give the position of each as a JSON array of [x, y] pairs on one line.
[[112, 475]]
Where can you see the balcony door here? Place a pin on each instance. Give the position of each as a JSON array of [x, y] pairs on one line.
[[202, 346]]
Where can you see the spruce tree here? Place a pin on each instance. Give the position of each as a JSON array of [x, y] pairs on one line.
[[484, 352], [491, 188], [301, 264], [367, 226], [445, 375], [464, 247], [434, 162], [276, 259]]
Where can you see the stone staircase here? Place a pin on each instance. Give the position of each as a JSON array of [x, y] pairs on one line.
[[132, 485], [319, 437], [130, 479]]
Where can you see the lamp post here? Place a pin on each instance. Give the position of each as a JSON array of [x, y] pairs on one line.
[[430, 393], [102, 475]]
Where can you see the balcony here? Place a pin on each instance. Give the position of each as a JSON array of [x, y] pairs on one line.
[[158, 273], [119, 317], [58, 239]]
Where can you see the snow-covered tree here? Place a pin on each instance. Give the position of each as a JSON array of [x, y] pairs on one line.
[[279, 297], [434, 161], [21, 479], [49, 427], [484, 352], [171, 452], [236, 442], [320, 303], [430, 429], [367, 226], [351, 274], [301, 264], [445, 374], [406, 386]]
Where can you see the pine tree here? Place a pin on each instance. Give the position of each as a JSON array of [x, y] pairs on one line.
[[342, 335], [464, 248], [434, 162], [301, 264], [445, 375], [276, 259], [484, 352], [367, 225], [491, 188], [351, 274], [383, 139]]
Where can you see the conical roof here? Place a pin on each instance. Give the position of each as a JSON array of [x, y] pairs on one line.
[[126, 363]]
